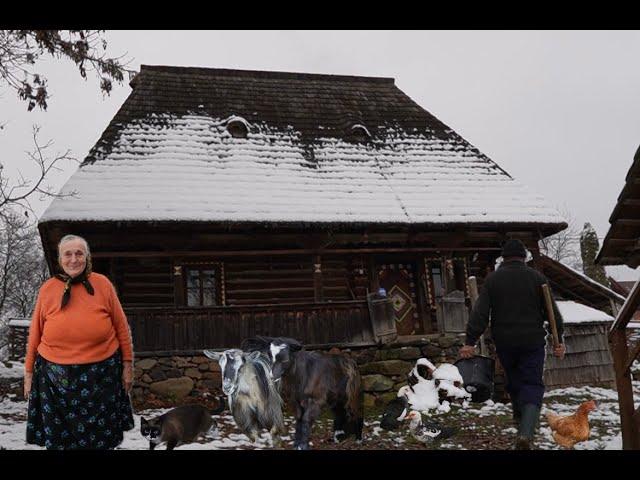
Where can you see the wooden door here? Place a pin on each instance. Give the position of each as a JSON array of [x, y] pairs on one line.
[[398, 279]]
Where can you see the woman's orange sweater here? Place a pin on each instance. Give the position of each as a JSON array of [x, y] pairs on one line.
[[89, 329]]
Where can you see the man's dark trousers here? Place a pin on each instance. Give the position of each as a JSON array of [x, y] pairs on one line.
[[524, 367]]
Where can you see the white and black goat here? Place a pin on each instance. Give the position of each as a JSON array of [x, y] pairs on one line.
[[254, 400], [312, 380]]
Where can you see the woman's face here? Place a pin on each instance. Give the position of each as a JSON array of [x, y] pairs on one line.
[[73, 257]]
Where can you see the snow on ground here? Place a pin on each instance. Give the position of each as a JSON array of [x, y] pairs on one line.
[[480, 426], [11, 369]]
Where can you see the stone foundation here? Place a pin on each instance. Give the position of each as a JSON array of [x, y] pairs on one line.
[[384, 370], [175, 378]]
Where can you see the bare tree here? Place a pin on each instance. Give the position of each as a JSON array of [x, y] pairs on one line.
[[22, 264], [21, 49], [16, 193], [564, 246]]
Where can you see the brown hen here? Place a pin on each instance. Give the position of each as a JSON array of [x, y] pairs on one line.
[[571, 429]]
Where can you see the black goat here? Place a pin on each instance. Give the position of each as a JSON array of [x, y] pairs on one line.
[[312, 380]]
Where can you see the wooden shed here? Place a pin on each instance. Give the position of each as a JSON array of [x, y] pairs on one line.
[[229, 203], [588, 359]]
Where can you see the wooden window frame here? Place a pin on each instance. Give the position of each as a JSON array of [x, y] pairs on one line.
[[180, 272]]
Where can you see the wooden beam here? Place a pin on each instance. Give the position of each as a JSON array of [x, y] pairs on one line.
[[631, 202], [238, 253], [628, 309], [630, 222], [317, 278], [622, 241], [635, 351], [620, 354]]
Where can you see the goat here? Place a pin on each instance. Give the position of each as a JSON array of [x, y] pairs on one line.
[[312, 380], [254, 400]]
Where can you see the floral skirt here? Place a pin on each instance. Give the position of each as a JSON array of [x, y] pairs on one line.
[[78, 406]]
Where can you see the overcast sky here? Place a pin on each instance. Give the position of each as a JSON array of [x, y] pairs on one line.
[[558, 110]]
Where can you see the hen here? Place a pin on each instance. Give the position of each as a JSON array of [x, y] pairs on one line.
[[569, 430]]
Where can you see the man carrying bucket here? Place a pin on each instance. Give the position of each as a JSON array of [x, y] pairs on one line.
[[512, 297]]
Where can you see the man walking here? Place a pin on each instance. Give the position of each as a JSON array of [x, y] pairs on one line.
[[512, 297]]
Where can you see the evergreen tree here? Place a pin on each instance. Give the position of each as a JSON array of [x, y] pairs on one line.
[[589, 247]]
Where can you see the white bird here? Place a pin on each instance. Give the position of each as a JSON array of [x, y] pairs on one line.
[[427, 432], [421, 396]]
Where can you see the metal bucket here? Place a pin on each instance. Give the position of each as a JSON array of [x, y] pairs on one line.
[[477, 373]]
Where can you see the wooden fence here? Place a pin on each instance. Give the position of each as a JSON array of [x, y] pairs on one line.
[[167, 331]]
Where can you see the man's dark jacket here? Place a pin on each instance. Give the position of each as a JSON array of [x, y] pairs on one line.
[[512, 297]]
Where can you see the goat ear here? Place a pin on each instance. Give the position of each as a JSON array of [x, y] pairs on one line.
[[293, 344], [212, 354]]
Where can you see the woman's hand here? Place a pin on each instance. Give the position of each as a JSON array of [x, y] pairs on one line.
[[28, 377], [127, 375]]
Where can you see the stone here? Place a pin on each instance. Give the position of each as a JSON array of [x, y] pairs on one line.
[[166, 362], [137, 393], [376, 383], [212, 376], [146, 364], [204, 367], [387, 367], [431, 351], [211, 384], [173, 388], [397, 386], [199, 360], [447, 341], [147, 379], [137, 372], [369, 400], [365, 356], [387, 354], [193, 373], [173, 373], [409, 353], [181, 362], [385, 398], [157, 374]]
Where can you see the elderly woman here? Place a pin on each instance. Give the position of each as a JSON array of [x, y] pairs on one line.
[[78, 368]]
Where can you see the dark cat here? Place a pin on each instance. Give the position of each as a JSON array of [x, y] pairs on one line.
[[180, 425]]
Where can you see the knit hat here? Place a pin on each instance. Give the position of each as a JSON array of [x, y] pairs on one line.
[[514, 248]]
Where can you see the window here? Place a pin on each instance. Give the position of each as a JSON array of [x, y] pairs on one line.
[[202, 285], [359, 134], [238, 127], [436, 276]]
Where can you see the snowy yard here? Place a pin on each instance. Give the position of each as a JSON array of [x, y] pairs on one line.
[[480, 426]]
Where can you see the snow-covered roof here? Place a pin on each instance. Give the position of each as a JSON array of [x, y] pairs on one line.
[[167, 155], [573, 312]]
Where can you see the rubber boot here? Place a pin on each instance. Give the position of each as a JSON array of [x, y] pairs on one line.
[[517, 415], [528, 423]]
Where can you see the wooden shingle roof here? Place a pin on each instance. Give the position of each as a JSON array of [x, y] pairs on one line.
[[622, 242], [168, 155]]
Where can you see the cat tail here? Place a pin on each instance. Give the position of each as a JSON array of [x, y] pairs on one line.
[[221, 406]]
